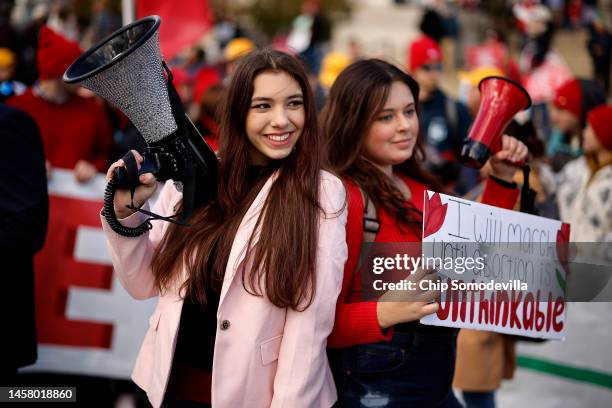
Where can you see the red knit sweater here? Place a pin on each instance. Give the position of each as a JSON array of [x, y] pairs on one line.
[[78, 129], [356, 321]]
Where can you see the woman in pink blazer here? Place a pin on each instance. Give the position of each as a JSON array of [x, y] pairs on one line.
[[247, 294]]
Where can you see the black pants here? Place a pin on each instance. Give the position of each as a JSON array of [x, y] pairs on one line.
[[170, 402], [8, 376]]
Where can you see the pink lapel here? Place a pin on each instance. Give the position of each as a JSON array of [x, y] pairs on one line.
[[245, 230]]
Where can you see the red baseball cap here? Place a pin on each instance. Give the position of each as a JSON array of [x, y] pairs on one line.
[[424, 51]]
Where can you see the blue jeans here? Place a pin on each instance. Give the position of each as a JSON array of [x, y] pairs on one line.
[[475, 399], [412, 370]]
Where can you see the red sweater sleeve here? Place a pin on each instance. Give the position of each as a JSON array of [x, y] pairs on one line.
[[356, 322], [498, 195]]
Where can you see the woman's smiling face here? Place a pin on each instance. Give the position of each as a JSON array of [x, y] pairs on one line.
[[276, 116], [393, 135]]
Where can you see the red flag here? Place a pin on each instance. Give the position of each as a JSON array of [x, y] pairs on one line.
[[183, 23]]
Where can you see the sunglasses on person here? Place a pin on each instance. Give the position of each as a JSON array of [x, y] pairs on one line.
[[432, 67]]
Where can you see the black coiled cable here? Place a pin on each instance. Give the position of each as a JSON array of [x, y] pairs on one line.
[[111, 217]]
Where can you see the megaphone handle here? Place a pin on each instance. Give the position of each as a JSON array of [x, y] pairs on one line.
[[528, 195], [497, 147], [149, 165]]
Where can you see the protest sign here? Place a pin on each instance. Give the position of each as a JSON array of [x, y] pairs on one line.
[[515, 282]]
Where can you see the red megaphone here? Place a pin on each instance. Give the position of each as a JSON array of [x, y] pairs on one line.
[[500, 99]]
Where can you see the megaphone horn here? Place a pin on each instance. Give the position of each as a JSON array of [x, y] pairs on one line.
[[500, 99], [127, 70]]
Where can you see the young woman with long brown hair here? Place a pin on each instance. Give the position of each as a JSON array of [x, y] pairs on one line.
[[247, 294], [381, 355]]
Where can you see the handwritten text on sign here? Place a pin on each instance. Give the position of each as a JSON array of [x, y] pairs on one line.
[[520, 290]]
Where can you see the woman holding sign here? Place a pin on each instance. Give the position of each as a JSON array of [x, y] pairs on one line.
[[247, 293], [385, 357]]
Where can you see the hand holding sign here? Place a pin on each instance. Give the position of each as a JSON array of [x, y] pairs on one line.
[[402, 306]]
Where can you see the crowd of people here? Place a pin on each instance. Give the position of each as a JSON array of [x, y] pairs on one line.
[[278, 115]]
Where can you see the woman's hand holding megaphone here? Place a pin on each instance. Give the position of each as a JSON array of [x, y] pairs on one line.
[[146, 188], [506, 161]]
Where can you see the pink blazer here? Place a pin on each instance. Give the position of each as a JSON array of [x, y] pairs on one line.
[[264, 356]]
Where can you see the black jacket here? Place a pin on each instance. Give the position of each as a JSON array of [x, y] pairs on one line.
[[24, 207]]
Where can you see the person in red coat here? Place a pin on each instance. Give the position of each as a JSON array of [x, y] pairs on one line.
[[384, 356], [75, 130]]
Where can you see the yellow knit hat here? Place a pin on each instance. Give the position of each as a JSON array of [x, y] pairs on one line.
[[238, 47], [333, 64], [7, 58]]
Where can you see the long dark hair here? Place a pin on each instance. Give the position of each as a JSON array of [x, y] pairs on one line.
[[356, 98], [284, 255]]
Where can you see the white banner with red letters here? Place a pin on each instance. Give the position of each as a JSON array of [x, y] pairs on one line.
[[86, 322]]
